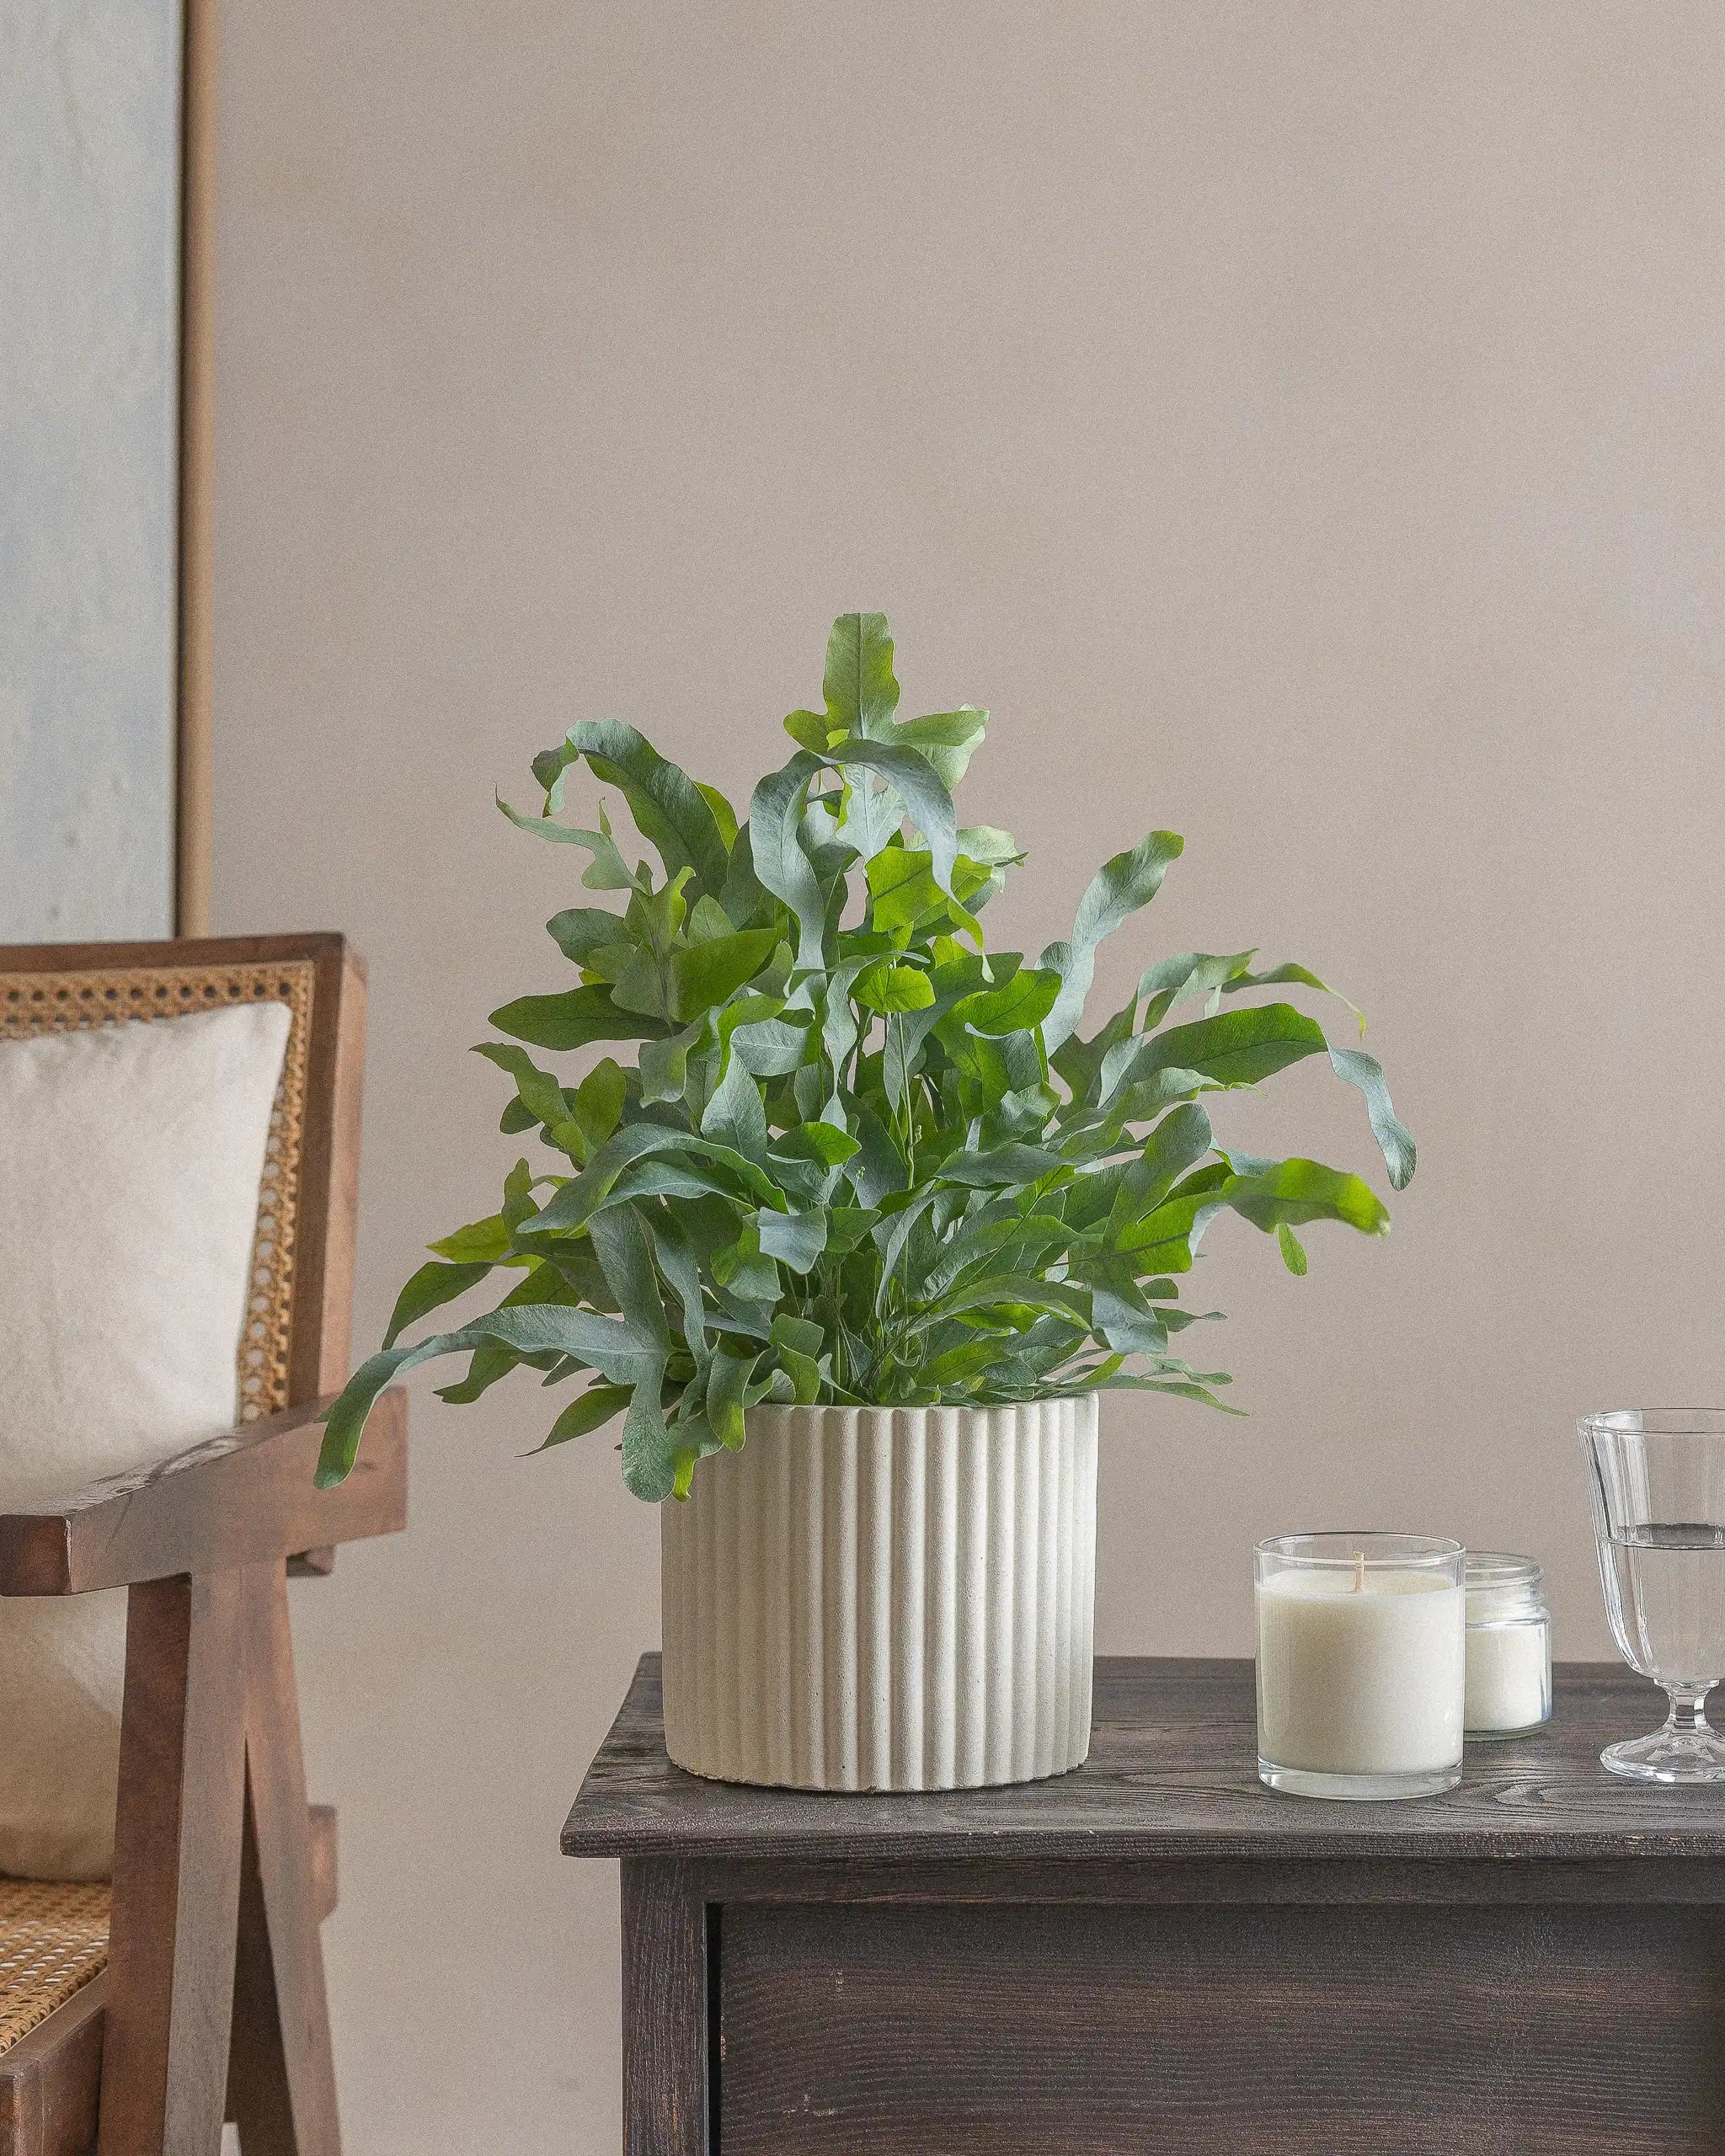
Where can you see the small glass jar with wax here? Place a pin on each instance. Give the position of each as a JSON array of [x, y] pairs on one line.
[[1361, 1664], [1509, 1647]]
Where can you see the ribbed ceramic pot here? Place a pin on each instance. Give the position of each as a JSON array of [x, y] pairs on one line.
[[885, 1598]]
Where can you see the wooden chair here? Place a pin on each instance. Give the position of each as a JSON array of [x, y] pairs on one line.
[[200, 1997]]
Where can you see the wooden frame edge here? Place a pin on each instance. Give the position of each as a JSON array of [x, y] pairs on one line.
[[48, 2077], [320, 1350], [322, 946], [196, 468]]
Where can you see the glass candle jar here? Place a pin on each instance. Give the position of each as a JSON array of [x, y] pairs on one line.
[[1360, 1664], [1509, 1645]]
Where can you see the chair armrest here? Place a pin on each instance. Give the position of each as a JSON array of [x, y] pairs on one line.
[[244, 1498]]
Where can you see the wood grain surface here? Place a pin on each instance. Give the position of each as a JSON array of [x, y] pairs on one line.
[[176, 1868], [50, 2078], [1013, 2032], [281, 2078], [1172, 1774], [1155, 1951], [242, 1498], [668, 1963]]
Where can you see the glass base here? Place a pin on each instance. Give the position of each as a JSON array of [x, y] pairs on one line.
[[1502, 1736], [1669, 1755], [1357, 1789]]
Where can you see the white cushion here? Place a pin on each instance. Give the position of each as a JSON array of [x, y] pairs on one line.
[[131, 1158]]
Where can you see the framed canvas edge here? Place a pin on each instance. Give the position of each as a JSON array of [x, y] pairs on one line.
[[198, 62]]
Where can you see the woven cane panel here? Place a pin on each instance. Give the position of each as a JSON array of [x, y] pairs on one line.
[[59, 1003], [53, 1940]]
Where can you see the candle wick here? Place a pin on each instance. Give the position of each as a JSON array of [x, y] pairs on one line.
[[1360, 1571]]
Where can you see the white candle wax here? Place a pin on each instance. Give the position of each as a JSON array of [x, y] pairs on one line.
[[1507, 1675], [1360, 1673]]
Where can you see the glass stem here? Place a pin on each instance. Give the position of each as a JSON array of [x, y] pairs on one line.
[[1688, 1716]]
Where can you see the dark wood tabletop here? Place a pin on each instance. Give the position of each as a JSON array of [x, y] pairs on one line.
[[1172, 1773]]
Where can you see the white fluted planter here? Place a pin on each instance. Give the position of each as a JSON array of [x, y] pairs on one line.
[[885, 1598]]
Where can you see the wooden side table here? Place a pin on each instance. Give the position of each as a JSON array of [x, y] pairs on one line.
[[1155, 1953]]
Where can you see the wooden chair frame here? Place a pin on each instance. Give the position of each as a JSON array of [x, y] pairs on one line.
[[212, 2006]]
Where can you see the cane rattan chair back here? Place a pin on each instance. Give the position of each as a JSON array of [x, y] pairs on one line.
[[295, 1341]]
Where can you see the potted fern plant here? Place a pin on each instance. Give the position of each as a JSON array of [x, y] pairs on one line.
[[856, 1230]]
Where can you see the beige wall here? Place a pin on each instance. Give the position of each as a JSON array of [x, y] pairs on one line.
[[1300, 424]]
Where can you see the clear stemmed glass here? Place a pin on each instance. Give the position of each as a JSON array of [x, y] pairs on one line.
[[1658, 1501]]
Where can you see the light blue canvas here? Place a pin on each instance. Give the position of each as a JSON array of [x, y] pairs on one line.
[[89, 131]]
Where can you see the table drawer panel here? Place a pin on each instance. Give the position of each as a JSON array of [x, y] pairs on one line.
[[1001, 2030]]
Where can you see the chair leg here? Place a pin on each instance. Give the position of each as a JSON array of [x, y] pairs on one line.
[[176, 1868], [281, 2081], [259, 2099]]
